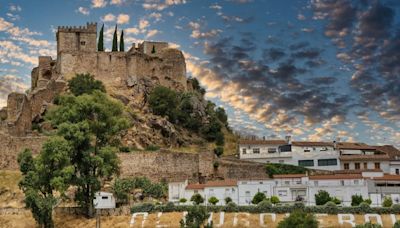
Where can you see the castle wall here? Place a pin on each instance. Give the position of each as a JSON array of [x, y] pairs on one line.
[[18, 114]]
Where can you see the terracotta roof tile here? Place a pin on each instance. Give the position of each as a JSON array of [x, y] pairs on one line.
[[289, 175], [390, 150], [388, 177], [378, 157], [263, 142], [221, 183], [336, 176], [354, 146], [195, 186], [307, 143]]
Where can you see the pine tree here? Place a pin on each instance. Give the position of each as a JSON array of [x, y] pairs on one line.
[[115, 41], [121, 42], [100, 44]]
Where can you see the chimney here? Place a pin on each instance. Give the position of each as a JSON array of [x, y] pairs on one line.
[[334, 144], [288, 139]]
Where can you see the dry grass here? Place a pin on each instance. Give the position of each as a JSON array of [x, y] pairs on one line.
[[230, 147], [10, 194]]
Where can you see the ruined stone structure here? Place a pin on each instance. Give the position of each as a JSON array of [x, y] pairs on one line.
[[127, 76]]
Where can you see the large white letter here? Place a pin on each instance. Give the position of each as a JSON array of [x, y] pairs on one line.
[[158, 225], [350, 220], [262, 216], [320, 221], [235, 219], [144, 214], [393, 217], [221, 219], [378, 218]]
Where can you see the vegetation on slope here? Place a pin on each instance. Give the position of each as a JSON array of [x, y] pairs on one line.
[[275, 168]]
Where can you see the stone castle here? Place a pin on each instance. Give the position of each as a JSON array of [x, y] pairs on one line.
[[127, 76]]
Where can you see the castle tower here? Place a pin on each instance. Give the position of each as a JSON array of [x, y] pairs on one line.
[[73, 38]]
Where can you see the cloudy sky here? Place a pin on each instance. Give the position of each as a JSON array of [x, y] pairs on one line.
[[313, 69]]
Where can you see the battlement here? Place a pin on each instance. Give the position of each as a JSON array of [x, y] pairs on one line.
[[91, 27]]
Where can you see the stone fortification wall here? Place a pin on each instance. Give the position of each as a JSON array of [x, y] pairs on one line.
[[12, 146]]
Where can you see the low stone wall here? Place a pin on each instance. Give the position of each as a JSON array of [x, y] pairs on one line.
[[125, 210]]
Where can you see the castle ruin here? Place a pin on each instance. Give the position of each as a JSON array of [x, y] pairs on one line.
[[128, 76]]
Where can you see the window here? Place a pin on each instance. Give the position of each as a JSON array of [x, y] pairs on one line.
[[306, 162], [227, 189], [377, 165], [356, 165], [247, 193], [256, 150], [327, 162], [342, 182], [83, 42], [365, 165], [261, 182], [307, 149], [196, 191], [281, 161], [271, 150], [397, 171], [287, 182], [104, 197], [324, 149], [285, 148], [244, 151], [346, 166], [315, 183], [282, 193], [314, 149], [356, 182], [244, 182]]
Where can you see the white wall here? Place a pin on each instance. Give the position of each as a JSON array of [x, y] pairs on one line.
[[248, 188], [393, 166], [384, 165], [221, 193], [316, 153], [341, 189], [176, 191], [104, 200], [263, 152]]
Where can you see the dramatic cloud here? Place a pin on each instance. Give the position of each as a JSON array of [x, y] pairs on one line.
[[158, 5], [99, 3], [123, 19], [108, 17], [83, 10]]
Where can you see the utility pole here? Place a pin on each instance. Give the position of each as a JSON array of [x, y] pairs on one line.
[[97, 218]]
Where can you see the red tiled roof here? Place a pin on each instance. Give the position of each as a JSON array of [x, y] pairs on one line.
[[336, 176], [375, 157], [195, 186], [390, 150], [263, 142], [222, 183], [388, 177], [289, 175], [352, 171], [354, 146], [307, 143]]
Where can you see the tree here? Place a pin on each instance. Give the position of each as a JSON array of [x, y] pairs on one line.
[[356, 200], [228, 200], [121, 188], [197, 199], [196, 217], [258, 197], [213, 200], [387, 201], [322, 197], [219, 139], [100, 44], [91, 124], [115, 40], [182, 200], [299, 219], [219, 150], [163, 101], [84, 83], [121, 42], [43, 176], [275, 199], [221, 115]]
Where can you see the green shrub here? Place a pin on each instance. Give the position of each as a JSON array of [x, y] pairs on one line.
[[336, 200], [264, 205], [196, 217], [124, 149], [216, 165], [152, 148], [369, 225], [387, 201], [322, 197], [397, 224], [197, 199], [299, 219], [213, 200], [219, 139], [121, 188], [368, 201], [228, 200], [219, 150], [258, 197], [231, 207], [182, 200], [331, 208], [163, 102], [84, 84], [275, 199], [364, 207], [276, 168], [144, 207], [396, 208], [356, 200]]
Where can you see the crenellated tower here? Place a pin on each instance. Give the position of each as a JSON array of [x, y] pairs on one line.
[[77, 38]]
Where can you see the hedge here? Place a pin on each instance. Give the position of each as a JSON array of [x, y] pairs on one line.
[[329, 208]]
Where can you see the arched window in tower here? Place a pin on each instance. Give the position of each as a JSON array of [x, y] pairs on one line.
[[153, 50]]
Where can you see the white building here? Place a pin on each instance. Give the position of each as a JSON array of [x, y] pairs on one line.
[[341, 186], [265, 151], [104, 200], [248, 188], [315, 155], [291, 187]]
